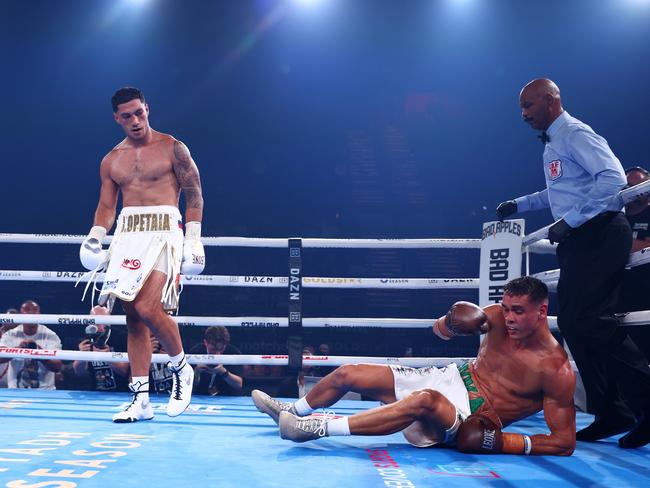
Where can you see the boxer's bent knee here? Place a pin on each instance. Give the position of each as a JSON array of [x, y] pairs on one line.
[[346, 376], [425, 402]]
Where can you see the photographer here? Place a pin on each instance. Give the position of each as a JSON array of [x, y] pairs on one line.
[[216, 379], [31, 373], [103, 375], [160, 376]]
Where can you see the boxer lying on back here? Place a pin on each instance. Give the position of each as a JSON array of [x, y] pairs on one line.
[[519, 370]]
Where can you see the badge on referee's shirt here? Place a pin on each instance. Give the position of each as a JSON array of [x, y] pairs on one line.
[[555, 169]]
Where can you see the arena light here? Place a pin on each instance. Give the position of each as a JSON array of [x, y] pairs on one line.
[[463, 3], [307, 3]]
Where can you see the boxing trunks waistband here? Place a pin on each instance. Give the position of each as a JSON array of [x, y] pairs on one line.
[[476, 400]]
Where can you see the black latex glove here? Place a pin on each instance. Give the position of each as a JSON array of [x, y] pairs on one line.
[[506, 208], [559, 231]]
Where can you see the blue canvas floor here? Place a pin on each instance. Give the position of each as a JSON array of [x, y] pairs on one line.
[[66, 439]]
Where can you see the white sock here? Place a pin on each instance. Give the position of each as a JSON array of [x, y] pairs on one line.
[[178, 359], [141, 384], [302, 407], [338, 426]]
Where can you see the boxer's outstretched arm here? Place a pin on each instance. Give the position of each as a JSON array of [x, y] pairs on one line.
[[105, 213], [559, 412], [189, 180]]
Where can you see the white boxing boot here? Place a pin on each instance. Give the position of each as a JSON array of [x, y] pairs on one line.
[[183, 382], [140, 407]]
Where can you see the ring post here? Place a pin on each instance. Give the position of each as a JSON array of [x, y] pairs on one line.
[[294, 341], [500, 258]]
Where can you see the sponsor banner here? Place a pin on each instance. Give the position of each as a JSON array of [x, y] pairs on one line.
[[389, 471], [189, 321], [206, 280], [71, 276], [400, 283], [52, 235], [244, 281], [260, 324], [500, 258], [316, 281], [258, 280], [75, 321], [26, 352]]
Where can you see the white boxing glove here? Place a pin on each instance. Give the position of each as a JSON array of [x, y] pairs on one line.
[[91, 253], [193, 253]]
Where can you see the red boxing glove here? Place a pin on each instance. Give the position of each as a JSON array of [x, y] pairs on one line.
[[463, 319], [478, 434]]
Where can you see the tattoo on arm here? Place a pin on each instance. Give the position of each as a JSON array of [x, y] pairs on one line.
[[188, 176]]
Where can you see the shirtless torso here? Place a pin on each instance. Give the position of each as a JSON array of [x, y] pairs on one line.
[[515, 376], [151, 172]]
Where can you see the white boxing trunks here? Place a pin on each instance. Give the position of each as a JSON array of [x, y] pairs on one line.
[[146, 239], [445, 380]]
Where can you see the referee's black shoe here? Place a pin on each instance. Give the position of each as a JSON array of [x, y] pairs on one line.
[[639, 436], [605, 426]]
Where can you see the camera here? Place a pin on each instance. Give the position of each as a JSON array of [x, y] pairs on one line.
[[96, 337]]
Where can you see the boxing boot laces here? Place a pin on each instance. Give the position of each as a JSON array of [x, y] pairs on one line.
[[182, 384], [270, 406], [302, 429], [140, 406]]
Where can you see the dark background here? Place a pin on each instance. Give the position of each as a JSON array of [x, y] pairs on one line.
[[359, 119]]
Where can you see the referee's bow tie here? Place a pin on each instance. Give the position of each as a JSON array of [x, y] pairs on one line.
[[544, 137]]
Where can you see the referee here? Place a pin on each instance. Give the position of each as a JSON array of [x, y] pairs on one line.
[[594, 240]]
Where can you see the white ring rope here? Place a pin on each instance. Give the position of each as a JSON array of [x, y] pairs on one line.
[[261, 322], [624, 196], [627, 319], [262, 281], [269, 242], [638, 258], [228, 359], [283, 243]]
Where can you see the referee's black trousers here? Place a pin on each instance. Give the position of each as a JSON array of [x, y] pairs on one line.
[[592, 262]]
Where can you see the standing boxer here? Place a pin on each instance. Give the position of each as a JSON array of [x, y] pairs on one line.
[[148, 252]]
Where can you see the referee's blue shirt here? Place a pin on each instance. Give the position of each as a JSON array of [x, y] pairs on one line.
[[583, 177]]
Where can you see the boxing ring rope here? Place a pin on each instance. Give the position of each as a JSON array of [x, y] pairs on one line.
[[629, 319], [624, 196], [261, 281], [538, 239], [534, 242], [638, 258], [540, 247], [225, 359], [259, 322]]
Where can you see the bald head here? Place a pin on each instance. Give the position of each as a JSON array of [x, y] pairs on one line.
[[541, 87], [636, 176], [30, 307], [540, 103]]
